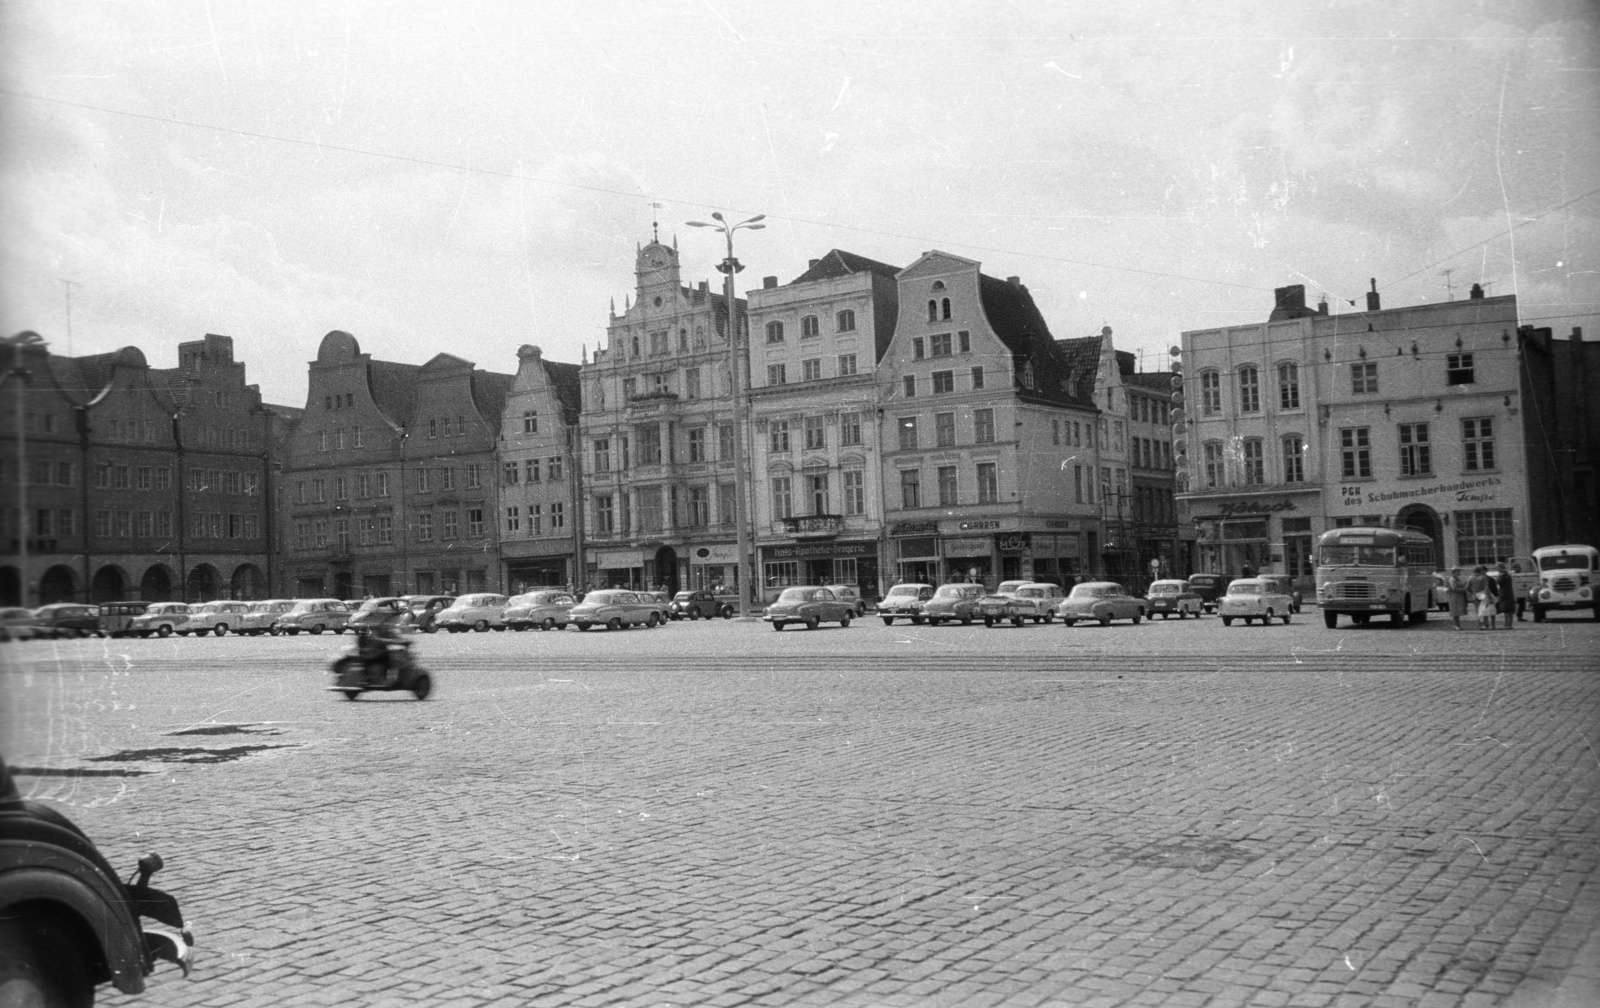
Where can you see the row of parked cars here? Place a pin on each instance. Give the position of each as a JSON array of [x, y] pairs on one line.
[[1017, 602]]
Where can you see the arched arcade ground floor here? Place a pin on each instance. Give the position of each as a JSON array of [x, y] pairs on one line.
[[151, 577]]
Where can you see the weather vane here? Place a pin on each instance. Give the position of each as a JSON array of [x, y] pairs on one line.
[[655, 223]]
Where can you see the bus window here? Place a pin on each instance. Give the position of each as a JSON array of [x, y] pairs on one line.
[[1357, 556], [1571, 561]]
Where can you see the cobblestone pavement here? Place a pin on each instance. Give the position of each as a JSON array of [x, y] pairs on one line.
[[715, 814]]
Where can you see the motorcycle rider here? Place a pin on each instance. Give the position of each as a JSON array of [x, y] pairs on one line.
[[375, 647]]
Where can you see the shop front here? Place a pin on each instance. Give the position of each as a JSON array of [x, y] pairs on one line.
[[819, 562], [1242, 535], [616, 568], [713, 567], [1482, 519], [539, 568], [990, 550]]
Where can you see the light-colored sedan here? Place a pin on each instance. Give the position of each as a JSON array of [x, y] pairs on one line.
[[387, 610], [545, 608], [217, 617], [313, 616], [904, 601], [1102, 601], [954, 602], [1255, 599], [996, 607], [163, 619], [1174, 597], [809, 605], [616, 608], [1036, 600], [258, 617], [478, 611]]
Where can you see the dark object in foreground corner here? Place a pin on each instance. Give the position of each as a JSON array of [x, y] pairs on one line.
[[67, 922]]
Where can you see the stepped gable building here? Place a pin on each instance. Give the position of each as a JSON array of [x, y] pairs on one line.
[[988, 445], [1415, 416], [140, 483], [658, 436], [389, 481], [1133, 482], [540, 532], [815, 445]]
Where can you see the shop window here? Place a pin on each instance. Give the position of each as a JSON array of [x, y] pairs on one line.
[[1483, 537]]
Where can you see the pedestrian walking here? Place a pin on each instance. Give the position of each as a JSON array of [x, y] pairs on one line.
[[1505, 594], [1480, 595], [1457, 593]]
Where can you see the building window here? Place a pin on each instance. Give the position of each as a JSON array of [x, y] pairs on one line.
[[1211, 392], [1255, 470], [774, 332], [918, 348], [816, 438], [855, 494], [944, 429], [697, 444], [977, 377], [553, 464], [1416, 454], [691, 383], [850, 428], [782, 497], [1288, 386], [1355, 453], [602, 455], [1364, 378], [1213, 464], [447, 478], [1458, 369], [777, 374], [630, 388], [847, 365], [509, 472], [809, 326], [908, 433], [1477, 443], [649, 436], [778, 437], [947, 486], [513, 519], [1483, 537], [909, 386], [845, 321], [383, 484], [474, 522], [451, 526], [944, 381], [1249, 389], [983, 426], [425, 526], [811, 370], [933, 309], [988, 483], [910, 488], [944, 308], [558, 516], [699, 506], [536, 520], [530, 421], [817, 491], [939, 345], [341, 488], [530, 470], [604, 515], [1294, 459]]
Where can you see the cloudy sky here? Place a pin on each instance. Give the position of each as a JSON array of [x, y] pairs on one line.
[[476, 175]]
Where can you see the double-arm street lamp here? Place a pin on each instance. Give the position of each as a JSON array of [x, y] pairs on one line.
[[741, 479]]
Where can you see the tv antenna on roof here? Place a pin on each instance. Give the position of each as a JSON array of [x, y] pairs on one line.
[[1450, 293]]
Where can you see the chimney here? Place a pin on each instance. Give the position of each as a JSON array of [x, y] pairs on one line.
[[1290, 298], [1577, 334], [1372, 296], [1014, 281], [814, 263], [705, 285], [769, 282], [1322, 305], [1476, 294]]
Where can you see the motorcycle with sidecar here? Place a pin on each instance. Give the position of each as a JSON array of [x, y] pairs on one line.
[[379, 660]]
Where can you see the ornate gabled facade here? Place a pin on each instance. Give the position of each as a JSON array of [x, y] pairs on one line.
[[814, 455], [657, 433], [140, 483], [989, 453], [389, 483], [540, 532]]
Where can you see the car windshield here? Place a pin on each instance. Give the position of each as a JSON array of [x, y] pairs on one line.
[[378, 603], [1244, 589], [1165, 589], [687, 596], [604, 597], [953, 591], [1356, 556], [1030, 593], [903, 590], [1090, 591], [1570, 561], [797, 595]]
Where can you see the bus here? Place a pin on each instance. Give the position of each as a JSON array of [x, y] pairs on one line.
[[1362, 572], [1567, 579]]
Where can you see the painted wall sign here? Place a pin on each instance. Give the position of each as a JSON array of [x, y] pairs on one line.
[[1352, 495], [1231, 508], [914, 527]]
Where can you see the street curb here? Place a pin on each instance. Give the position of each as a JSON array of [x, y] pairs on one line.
[[1566, 973]]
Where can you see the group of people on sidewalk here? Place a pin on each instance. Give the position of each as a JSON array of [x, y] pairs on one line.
[[1485, 594]]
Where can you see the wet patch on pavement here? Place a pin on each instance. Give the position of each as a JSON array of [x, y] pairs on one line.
[[28, 771], [175, 754], [248, 728]]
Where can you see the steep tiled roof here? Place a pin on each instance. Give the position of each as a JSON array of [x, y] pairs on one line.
[[1155, 381], [394, 389], [564, 379], [1016, 320], [95, 371], [838, 263], [1081, 358], [489, 391]]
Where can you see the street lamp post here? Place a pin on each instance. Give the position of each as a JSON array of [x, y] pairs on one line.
[[741, 480]]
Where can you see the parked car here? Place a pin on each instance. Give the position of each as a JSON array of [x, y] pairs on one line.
[[1103, 601], [954, 602], [904, 601], [424, 610], [313, 616], [1284, 584], [808, 604], [116, 617], [374, 611], [1209, 587], [70, 619], [478, 611], [258, 617], [17, 623], [1173, 597], [701, 604], [851, 594], [162, 619], [1036, 600], [217, 617], [996, 606], [615, 609], [1255, 598], [545, 608]]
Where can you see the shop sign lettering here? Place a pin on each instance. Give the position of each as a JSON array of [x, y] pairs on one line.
[[1231, 508], [1352, 495], [913, 528], [813, 525], [968, 526]]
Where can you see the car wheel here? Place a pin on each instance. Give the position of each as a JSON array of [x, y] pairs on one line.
[[291, 631], [1049, 617], [919, 620], [966, 620], [1285, 619], [988, 621], [1068, 622], [812, 623], [614, 623], [889, 620], [844, 621], [653, 622], [481, 626], [1105, 620], [1137, 617], [220, 630], [1016, 621], [727, 612], [584, 626], [548, 623], [1330, 619], [319, 628], [163, 631], [1227, 621], [777, 624], [422, 685]]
